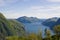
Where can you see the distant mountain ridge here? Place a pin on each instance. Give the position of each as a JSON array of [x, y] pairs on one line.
[[51, 22], [25, 19], [33, 23]]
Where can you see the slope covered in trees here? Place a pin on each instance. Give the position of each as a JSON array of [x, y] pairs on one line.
[[10, 27]]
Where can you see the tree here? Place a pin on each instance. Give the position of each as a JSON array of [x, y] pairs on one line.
[[57, 31], [32, 36], [39, 35], [48, 34]]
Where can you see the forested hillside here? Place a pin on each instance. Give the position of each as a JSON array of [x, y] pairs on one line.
[[10, 27]]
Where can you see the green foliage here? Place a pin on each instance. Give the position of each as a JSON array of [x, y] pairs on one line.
[[33, 36], [10, 27], [57, 29], [12, 38], [48, 34], [17, 28], [39, 35]]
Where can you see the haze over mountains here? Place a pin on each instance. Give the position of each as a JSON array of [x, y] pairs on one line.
[[33, 24], [21, 25]]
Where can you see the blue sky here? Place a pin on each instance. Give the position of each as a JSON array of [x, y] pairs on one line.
[[34, 8]]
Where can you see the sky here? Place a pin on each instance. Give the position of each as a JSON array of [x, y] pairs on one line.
[[30, 8]]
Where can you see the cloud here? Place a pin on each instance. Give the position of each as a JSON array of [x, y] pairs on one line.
[[40, 11], [44, 11], [35, 11], [53, 0], [5, 2], [45, 8]]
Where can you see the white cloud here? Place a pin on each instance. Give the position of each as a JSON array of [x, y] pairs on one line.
[[53, 0], [5, 2], [45, 11], [38, 15], [45, 8], [35, 11]]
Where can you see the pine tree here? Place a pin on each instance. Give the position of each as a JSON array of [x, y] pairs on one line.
[[57, 31], [48, 34]]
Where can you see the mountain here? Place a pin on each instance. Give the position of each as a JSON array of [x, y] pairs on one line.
[[18, 27], [25, 19], [32, 24], [9, 27], [51, 22]]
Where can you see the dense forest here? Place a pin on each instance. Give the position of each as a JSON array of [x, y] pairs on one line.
[[14, 30]]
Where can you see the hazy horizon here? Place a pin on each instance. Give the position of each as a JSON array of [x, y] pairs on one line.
[[31, 8], [30, 16]]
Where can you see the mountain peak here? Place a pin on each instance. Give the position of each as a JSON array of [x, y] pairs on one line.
[[25, 19]]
